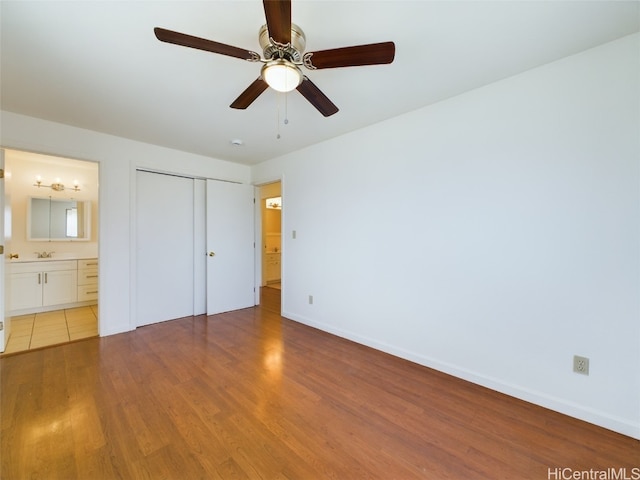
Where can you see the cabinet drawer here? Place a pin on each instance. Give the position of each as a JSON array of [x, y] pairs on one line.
[[88, 276], [87, 292], [88, 263]]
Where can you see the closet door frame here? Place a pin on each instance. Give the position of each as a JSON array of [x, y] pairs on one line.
[[201, 298]]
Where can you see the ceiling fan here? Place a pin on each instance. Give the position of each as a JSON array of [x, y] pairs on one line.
[[283, 45]]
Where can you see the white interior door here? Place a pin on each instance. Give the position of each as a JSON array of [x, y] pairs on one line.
[[164, 247], [230, 246], [5, 268], [5, 215]]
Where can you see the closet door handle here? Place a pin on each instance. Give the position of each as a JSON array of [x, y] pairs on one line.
[[212, 254], [39, 278], [45, 278]]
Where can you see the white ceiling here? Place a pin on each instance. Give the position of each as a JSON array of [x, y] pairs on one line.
[[97, 64]]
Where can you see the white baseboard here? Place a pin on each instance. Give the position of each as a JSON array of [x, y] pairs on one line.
[[560, 405]]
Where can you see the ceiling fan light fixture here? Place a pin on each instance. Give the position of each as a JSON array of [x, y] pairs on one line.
[[281, 75], [283, 44]]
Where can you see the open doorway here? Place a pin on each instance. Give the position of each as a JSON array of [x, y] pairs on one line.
[[271, 234], [51, 275]]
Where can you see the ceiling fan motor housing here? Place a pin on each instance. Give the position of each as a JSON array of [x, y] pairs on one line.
[[292, 51]]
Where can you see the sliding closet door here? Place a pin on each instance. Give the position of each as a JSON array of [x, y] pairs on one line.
[[164, 247], [230, 246]]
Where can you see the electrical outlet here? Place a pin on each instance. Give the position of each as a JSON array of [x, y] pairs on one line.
[[581, 365], [310, 299]]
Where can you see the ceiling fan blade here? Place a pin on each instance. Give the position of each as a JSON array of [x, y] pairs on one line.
[[318, 99], [278, 15], [369, 54], [198, 43], [252, 92]]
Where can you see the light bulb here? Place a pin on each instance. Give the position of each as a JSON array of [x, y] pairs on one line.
[[282, 75]]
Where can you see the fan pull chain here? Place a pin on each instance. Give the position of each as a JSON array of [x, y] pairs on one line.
[[286, 112], [286, 109]]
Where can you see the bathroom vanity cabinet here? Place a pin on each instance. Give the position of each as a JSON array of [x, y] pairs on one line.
[[50, 285], [273, 267]]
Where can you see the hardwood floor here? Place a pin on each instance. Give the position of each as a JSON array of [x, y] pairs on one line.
[[249, 394], [270, 299]]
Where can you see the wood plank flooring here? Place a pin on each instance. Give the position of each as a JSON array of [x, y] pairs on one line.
[[251, 395]]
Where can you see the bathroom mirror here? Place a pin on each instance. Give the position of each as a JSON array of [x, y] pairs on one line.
[[52, 219]]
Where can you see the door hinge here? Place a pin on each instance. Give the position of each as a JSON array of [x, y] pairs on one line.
[[2, 249], [1, 326], [1, 172]]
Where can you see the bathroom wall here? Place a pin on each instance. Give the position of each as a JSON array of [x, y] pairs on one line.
[[272, 228], [271, 219], [22, 168]]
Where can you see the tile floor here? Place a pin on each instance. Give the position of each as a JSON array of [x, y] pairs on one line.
[[38, 330]]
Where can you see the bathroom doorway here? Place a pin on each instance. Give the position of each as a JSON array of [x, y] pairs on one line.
[[271, 215], [51, 273]]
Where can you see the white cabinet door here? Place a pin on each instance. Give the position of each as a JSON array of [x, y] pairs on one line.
[[230, 237], [273, 267], [59, 287], [26, 290]]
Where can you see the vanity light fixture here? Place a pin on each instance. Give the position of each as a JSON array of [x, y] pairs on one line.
[[274, 203], [57, 185]]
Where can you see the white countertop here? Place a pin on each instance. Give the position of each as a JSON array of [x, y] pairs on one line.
[[58, 258]]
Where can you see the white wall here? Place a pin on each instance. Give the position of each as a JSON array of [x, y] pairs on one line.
[[492, 236], [118, 160]]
